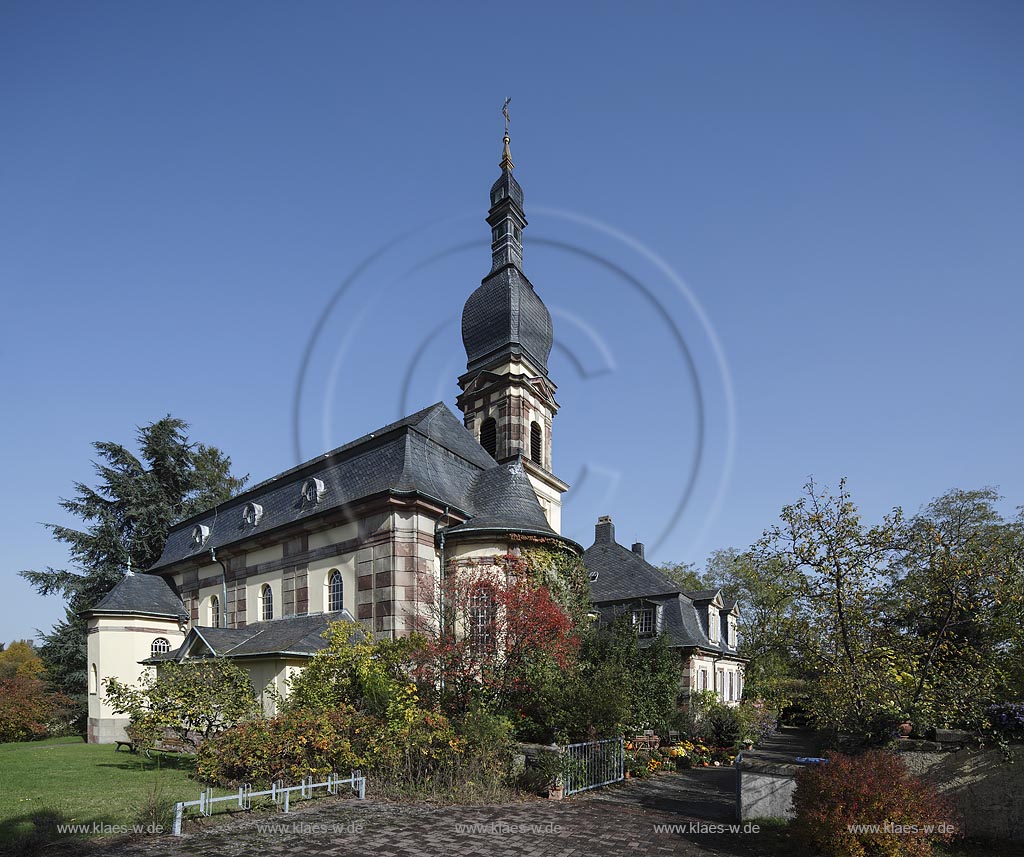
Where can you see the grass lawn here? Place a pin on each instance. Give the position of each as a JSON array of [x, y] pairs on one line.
[[65, 780]]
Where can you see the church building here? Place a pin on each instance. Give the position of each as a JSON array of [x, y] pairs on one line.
[[362, 531]]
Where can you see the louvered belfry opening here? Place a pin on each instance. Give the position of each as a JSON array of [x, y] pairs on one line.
[[489, 437], [536, 443]]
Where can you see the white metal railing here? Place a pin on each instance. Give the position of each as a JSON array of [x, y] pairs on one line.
[[592, 764], [277, 792]]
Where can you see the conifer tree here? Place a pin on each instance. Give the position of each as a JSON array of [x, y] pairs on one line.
[[124, 522]]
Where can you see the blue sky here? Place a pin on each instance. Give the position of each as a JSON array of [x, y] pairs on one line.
[[184, 187]]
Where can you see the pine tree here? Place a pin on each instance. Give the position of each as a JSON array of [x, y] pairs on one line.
[[125, 522]]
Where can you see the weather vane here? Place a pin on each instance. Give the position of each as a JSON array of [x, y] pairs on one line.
[[504, 112]]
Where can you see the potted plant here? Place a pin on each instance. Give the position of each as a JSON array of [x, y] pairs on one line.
[[550, 764]]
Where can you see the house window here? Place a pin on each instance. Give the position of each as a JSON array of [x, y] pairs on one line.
[[335, 591], [703, 679], [731, 690], [643, 621], [94, 679], [267, 602], [214, 611], [480, 620], [160, 646], [536, 443], [721, 684], [489, 436]]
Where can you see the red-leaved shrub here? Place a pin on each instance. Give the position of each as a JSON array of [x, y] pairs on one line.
[[868, 805]]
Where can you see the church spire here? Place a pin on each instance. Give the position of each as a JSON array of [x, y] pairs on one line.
[[506, 155], [506, 216]]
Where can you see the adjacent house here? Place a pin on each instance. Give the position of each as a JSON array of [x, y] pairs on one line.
[[701, 626]]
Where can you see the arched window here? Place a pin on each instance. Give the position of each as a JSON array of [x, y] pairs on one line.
[[489, 436], [267, 600], [536, 443], [160, 646], [335, 591], [94, 679], [214, 611]]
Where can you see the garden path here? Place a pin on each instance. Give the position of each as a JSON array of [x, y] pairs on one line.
[[619, 820]]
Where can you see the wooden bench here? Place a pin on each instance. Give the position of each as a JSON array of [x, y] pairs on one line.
[[170, 744]]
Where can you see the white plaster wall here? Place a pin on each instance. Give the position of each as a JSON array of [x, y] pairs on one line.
[[115, 645], [317, 577]]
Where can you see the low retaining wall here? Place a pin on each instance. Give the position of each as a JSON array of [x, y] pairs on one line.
[[986, 788], [766, 777], [764, 789]]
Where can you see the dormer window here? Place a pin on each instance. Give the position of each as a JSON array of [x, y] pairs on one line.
[[732, 632], [252, 513], [200, 533], [643, 621], [713, 623], [313, 491], [593, 576]]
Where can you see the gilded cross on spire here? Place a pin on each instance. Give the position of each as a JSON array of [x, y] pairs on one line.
[[506, 155]]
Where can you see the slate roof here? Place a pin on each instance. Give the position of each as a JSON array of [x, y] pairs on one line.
[[296, 635], [430, 453], [141, 593], [511, 185], [703, 594], [622, 581], [622, 574], [502, 498], [683, 623], [506, 316]]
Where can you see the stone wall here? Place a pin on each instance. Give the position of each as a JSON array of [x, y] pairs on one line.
[[986, 788]]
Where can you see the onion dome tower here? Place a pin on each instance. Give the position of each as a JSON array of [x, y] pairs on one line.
[[507, 398]]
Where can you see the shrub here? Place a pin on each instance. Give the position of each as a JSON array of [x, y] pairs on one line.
[[1006, 720], [725, 724], [874, 790], [759, 720], [289, 747], [28, 710]]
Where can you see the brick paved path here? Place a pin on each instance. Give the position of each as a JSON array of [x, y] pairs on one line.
[[612, 822]]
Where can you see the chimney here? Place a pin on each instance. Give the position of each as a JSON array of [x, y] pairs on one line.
[[638, 549], [604, 532]]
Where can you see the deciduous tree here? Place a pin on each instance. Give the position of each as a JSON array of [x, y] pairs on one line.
[[193, 699]]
